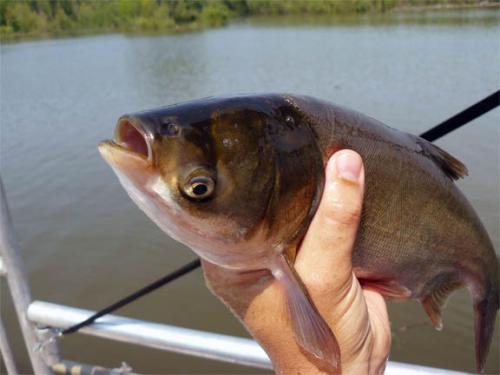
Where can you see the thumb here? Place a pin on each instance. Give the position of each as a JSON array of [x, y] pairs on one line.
[[325, 254]]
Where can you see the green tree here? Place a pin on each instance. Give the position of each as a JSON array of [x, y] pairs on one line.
[[215, 13], [21, 18], [61, 22], [185, 11]]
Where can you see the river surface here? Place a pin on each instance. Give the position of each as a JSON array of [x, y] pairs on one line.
[[84, 242]]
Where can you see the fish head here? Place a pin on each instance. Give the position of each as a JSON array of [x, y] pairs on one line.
[[212, 173]]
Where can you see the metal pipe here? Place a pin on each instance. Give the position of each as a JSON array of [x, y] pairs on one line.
[[153, 335], [8, 358], [181, 340], [20, 292], [2, 268]]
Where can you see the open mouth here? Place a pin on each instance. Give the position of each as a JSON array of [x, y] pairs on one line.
[[132, 138]]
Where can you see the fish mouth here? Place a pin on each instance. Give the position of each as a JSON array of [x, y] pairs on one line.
[[131, 140], [130, 135]]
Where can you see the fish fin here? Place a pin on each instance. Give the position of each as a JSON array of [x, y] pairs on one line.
[[451, 166], [434, 302], [388, 288], [485, 311], [311, 331]]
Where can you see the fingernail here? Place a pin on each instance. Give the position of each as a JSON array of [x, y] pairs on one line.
[[348, 165]]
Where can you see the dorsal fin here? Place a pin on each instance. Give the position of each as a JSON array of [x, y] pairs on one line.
[[451, 166]]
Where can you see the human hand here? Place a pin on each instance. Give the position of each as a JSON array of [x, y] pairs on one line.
[[357, 317]]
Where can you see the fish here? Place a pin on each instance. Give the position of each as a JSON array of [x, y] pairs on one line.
[[238, 179]]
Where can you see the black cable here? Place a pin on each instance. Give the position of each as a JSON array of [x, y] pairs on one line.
[[460, 119], [464, 117], [148, 289]]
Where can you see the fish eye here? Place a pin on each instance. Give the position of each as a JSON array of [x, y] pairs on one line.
[[289, 120], [169, 129], [199, 187]]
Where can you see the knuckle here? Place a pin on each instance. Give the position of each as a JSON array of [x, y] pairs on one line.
[[327, 287], [344, 214]]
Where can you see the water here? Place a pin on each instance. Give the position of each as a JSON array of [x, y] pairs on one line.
[[84, 242]]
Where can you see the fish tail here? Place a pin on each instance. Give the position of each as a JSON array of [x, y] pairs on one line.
[[311, 332], [485, 311]]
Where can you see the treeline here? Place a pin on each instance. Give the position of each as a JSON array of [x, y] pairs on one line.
[[52, 17]]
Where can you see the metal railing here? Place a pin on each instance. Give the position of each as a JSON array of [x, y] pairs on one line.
[[36, 316], [159, 336], [202, 344]]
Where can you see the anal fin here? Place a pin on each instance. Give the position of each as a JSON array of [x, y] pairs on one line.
[[435, 301]]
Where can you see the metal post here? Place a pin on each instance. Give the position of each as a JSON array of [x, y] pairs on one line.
[[8, 358], [21, 295], [2, 268]]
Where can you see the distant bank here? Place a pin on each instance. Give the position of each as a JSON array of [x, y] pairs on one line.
[[47, 18]]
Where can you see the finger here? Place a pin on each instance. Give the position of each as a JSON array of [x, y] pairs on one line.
[[325, 253]]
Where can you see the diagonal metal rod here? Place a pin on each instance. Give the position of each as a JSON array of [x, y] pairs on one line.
[[141, 292], [464, 117], [447, 126]]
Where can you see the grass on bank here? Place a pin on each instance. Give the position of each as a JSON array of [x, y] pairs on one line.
[[31, 18]]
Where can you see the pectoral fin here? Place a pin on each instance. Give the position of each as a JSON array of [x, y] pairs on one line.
[[311, 331]]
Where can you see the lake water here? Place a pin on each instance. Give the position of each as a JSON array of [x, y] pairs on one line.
[[84, 242]]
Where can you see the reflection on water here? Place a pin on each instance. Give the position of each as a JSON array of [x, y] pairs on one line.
[[86, 245], [415, 17]]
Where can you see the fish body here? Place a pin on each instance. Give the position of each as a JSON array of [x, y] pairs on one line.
[[238, 179]]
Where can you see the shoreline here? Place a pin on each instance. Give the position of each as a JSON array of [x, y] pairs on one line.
[[197, 26], [25, 37], [437, 7]]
